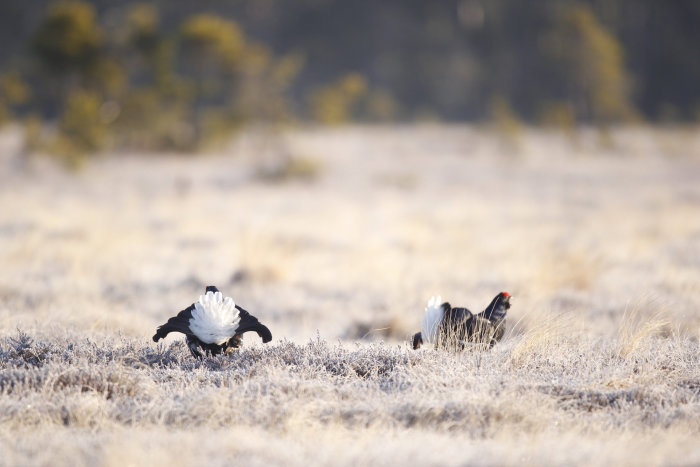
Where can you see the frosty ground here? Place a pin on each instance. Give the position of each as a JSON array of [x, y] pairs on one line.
[[336, 239]]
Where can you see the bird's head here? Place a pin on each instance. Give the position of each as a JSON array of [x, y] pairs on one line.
[[498, 307], [504, 298]]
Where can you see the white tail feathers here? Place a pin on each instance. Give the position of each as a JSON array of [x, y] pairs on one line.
[[214, 318], [432, 319]]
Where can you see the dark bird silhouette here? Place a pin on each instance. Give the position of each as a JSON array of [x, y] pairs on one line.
[[213, 324], [446, 326]]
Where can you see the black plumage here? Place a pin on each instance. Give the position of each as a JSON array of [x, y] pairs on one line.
[[183, 323]]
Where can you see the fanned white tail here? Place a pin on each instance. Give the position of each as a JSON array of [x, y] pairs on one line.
[[432, 319], [214, 318]]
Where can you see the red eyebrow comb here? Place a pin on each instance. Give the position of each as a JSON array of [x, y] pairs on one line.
[[506, 294]]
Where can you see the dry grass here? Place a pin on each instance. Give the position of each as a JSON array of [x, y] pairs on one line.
[[102, 390], [598, 246], [542, 332], [637, 327]]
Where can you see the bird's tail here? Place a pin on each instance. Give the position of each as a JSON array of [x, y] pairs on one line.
[[432, 318]]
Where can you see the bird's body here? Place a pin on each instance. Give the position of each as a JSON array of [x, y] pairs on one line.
[[213, 324], [445, 326]]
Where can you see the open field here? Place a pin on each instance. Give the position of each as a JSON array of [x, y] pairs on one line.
[[336, 239]]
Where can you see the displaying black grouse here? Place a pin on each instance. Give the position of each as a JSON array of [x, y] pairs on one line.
[[445, 326], [213, 324]]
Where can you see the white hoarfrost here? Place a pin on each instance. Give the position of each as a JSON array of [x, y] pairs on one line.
[[214, 318], [431, 319]]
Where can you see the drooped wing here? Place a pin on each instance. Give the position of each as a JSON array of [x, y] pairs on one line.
[[179, 323], [251, 323], [486, 331]]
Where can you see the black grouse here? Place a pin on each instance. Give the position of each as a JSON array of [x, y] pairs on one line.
[[445, 326], [213, 324]]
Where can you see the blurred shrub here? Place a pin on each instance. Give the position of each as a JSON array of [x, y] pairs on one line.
[[590, 66], [69, 36], [133, 86], [151, 55], [33, 134], [14, 91], [142, 27], [13, 88], [106, 75], [234, 80], [350, 98], [505, 122], [81, 130], [338, 102], [302, 168], [262, 86], [5, 113], [212, 41], [73, 54], [556, 61], [215, 125], [560, 115], [151, 119]]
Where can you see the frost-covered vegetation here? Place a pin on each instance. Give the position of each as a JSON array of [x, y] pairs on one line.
[[597, 241], [518, 397]]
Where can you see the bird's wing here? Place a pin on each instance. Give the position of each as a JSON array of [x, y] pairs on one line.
[[179, 323], [486, 331], [460, 323], [460, 315], [250, 323]]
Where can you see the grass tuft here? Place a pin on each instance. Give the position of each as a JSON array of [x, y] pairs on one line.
[[637, 327]]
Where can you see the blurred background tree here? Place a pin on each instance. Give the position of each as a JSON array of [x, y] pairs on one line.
[[14, 92], [72, 54], [589, 74], [338, 102], [181, 75]]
